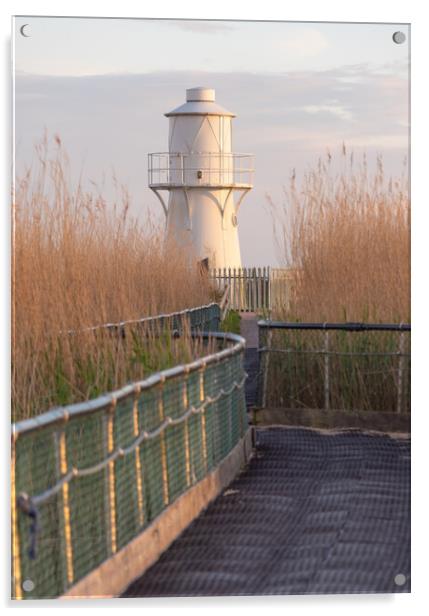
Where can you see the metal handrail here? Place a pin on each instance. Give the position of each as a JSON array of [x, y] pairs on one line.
[[64, 413], [228, 170], [264, 350], [351, 327], [144, 320], [46, 485], [121, 452]]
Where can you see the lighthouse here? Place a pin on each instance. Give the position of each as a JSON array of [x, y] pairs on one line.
[[204, 180]]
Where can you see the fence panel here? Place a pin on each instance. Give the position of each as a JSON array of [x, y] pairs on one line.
[[341, 366], [249, 288], [202, 318]]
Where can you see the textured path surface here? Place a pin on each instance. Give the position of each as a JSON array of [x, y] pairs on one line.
[[249, 328], [314, 512], [249, 331]]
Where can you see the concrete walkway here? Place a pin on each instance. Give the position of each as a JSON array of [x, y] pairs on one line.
[[314, 512], [249, 328]]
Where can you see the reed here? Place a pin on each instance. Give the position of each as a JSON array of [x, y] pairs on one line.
[[78, 262], [345, 237]]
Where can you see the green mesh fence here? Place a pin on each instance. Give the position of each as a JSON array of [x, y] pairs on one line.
[[88, 478], [202, 318]]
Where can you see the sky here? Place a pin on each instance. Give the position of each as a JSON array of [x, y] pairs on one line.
[[298, 89]]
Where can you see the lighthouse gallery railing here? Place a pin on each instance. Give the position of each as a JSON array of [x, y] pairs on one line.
[[89, 477], [212, 169]]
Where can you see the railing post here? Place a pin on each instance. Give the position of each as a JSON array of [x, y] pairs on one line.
[[203, 414], [326, 371], [185, 403], [16, 556], [264, 363], [400, 372], [264, 294], [111, 476], [139, 482], [233, 290], [230, 277], [165, 489], [63, 468], [230, 403]]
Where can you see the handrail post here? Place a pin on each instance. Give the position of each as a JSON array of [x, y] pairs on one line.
[[326, 371], [185, 403], [111, 476], [63, 468], [16, 554], [400, 372], [203, 414], [165, 488], [265, 360], [139, 481]]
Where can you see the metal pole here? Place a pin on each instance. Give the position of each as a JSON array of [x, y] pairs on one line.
[[111, 477], [186, 432], [400, 371], [139, 483], [163, 447], [203, 414], [266, 359], [62, 443], [16, 555], [326, 379]]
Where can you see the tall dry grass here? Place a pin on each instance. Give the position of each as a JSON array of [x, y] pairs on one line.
[[79, 261], [346, 237]]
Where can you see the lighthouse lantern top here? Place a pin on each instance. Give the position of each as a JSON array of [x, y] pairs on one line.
[[200, 101]]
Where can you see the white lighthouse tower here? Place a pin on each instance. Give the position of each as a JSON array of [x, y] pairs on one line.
[[202, 176]]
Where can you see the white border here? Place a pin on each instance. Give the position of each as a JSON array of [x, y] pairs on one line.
[[304, 10]]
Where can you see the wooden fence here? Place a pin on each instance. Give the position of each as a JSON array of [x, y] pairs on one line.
[[254, 289]]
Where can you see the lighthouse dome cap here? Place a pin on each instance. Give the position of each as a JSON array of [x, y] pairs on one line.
[[200, 101]]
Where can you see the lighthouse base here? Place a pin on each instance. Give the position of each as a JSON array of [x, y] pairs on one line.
[[205, 223]]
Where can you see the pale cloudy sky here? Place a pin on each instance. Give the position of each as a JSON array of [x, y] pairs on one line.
[[103, 85]]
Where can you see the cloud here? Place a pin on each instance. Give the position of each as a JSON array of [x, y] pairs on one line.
[[336, 110], [303, 43], [201, 27]]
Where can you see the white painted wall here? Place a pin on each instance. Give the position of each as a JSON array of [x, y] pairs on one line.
[[200, 217]]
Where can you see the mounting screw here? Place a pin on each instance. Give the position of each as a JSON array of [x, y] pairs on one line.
[[399, 37], [28, 585], [400, 579]]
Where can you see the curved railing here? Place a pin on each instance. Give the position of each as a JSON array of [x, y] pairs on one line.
[[200, 318], [89, 477]]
